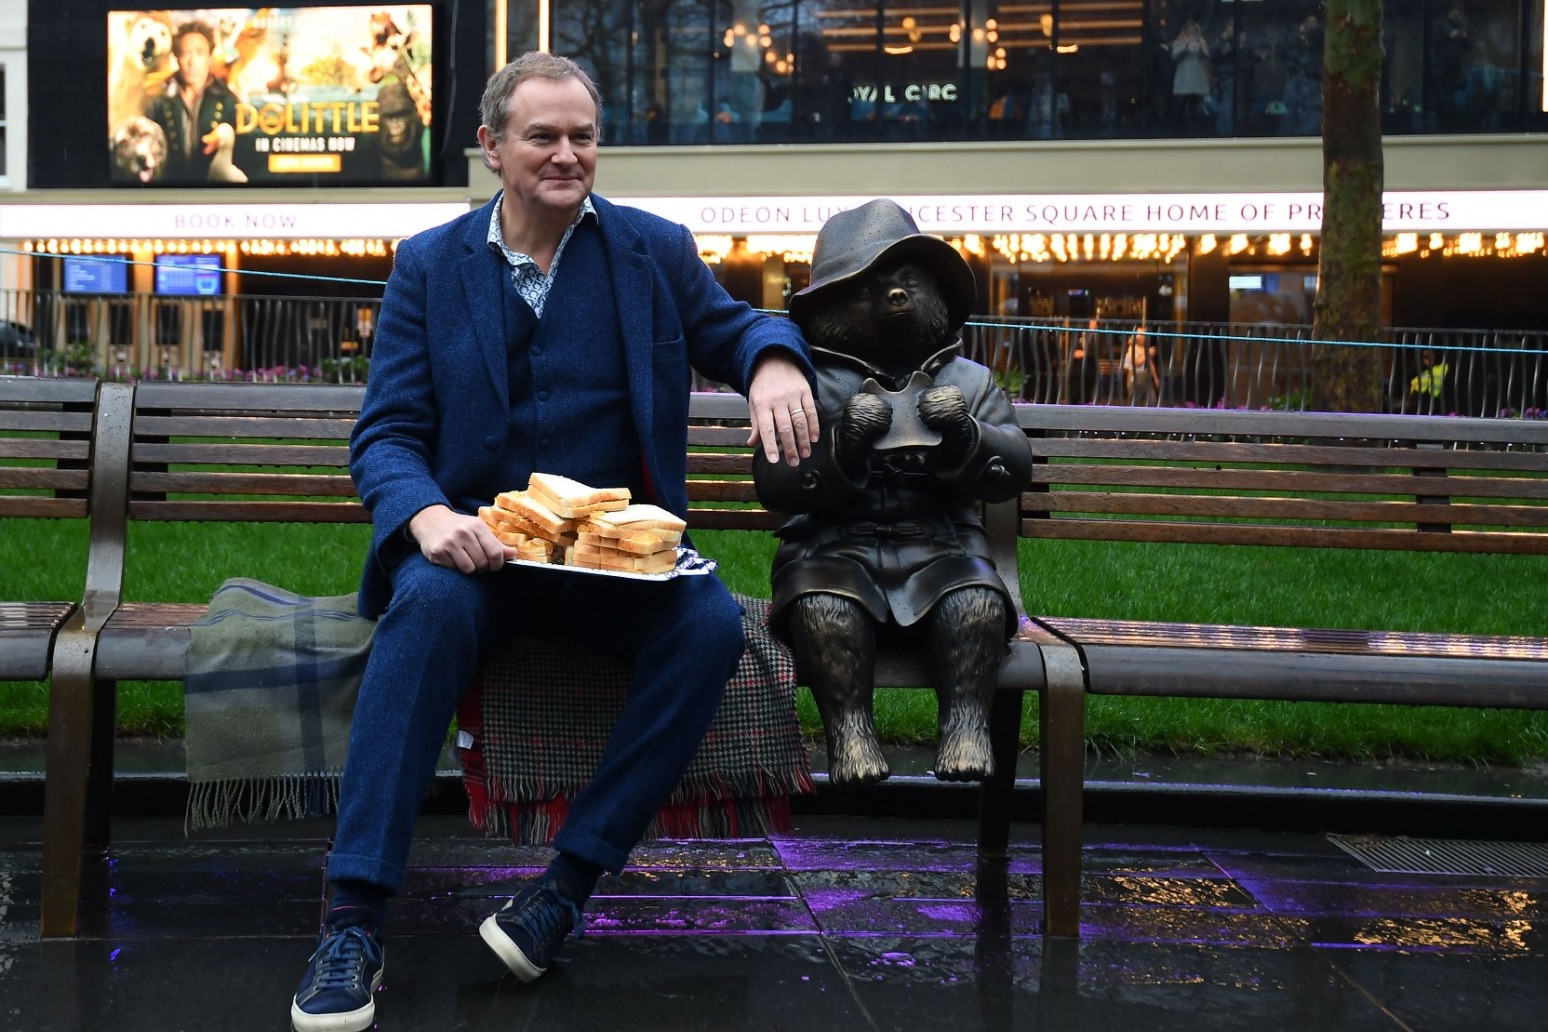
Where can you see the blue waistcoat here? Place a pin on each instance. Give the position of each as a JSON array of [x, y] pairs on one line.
[[569, 388]]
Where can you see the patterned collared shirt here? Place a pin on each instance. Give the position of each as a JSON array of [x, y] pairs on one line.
[[528, 279]]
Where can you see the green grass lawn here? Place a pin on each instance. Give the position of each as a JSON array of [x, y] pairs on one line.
[[1190, 583]]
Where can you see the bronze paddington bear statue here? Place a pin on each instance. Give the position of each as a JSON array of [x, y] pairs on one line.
[[884, 540]]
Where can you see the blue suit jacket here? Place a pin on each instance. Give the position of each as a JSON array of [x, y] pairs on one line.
[[433, 426]]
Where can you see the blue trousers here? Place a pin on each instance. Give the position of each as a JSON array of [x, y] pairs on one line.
[[684, 637]]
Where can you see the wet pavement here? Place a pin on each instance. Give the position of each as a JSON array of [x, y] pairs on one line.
[[844, 923]]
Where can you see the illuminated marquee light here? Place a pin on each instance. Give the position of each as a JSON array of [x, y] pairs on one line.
[[353, 247], [795, 248], [713, 247]]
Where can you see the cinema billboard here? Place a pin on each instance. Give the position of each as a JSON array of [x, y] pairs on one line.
[[270, 96]]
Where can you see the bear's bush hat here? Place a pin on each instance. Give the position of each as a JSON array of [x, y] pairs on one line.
[[854, 241]]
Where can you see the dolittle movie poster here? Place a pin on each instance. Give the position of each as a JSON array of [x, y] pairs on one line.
[[270, 96]]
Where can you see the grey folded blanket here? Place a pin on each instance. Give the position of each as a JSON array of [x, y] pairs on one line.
[[269, 692]]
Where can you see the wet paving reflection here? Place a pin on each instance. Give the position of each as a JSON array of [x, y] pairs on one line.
[[1200, 931]]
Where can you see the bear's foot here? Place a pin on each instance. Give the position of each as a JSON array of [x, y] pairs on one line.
[[964, 754], [855, 757]]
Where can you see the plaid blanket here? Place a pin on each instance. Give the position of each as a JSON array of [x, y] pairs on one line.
[[535, 727], [270, 689], [268, 695]]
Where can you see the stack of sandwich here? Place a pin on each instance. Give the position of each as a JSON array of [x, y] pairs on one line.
[[559, 520], [638, 538], [540, 522]]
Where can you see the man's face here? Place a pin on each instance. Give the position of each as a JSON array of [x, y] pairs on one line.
[[193, 59], [547, 158]]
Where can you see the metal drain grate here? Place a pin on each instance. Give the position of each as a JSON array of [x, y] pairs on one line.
[[1401, 855]]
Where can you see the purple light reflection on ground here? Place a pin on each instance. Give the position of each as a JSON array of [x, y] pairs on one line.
[[871, 855]]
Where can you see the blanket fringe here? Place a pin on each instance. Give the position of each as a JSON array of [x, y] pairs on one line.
[[218, 804], [536, 823]]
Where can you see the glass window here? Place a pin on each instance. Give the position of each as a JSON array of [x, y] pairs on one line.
[[1063, 68], [1474, 63], [745, 71]]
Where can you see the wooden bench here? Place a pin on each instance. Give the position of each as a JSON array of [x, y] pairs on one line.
[[46, 429], [255, 453], [1305, 480]]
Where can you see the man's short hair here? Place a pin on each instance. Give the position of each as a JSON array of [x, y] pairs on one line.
[[495, 108], [190, 28]]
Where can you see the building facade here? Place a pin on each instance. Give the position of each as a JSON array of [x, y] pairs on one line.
[[1153, 160]]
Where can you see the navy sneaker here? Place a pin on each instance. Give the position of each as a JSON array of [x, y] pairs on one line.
[[529, 930], [336, 993]]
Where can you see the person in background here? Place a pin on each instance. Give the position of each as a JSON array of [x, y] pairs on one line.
[[1192, 77], [1429, 387], [548, 331], [1080, 385], [197, 112], [1140, 377], [1449, 46]]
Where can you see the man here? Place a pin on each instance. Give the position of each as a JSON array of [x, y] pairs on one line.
[[552, 331], [197, 112]]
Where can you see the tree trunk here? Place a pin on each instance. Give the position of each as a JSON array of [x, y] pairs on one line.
[[1348, 306]]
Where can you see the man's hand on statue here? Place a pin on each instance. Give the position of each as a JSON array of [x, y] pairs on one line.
[[456, 541], [783, 411]]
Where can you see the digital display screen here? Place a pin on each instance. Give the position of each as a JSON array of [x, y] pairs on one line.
[[287, 95], [197, 274], [94, 275]]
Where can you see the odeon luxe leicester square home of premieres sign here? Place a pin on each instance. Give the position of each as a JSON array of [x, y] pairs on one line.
[[1446, 211]]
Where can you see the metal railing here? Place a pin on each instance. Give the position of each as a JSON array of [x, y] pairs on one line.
[[1069, 361], [1470, 372], [149, 335]]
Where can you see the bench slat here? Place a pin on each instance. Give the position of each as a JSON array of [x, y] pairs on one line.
[[249, 511], [155, 453], [26, 633], [1386, 539], [1285, 454], [44, 448], [722, 491], [45, 421], [717, 436], [328, 485], [275, 427], [1112, 420], [244, 397], [1298, 639], [717, 464], [1282, 510], [46, 390], [1309, 481], [43, 478], [42, 507]]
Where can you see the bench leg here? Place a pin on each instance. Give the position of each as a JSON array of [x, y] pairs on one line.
[[67, 780], [99, 785], [996, 791], [1062, 720]]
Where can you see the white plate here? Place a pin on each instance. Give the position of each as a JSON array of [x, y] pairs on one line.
[[689, 564]]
